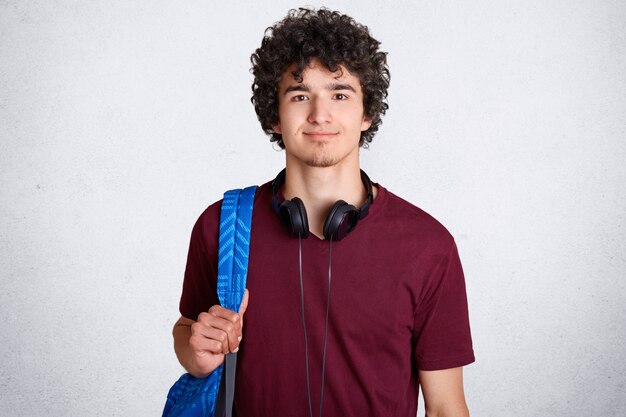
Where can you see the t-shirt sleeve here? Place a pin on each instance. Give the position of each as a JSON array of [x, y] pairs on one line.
[[441, 329], [199, 286]]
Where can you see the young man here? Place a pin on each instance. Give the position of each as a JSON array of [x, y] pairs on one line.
[[354, 295]]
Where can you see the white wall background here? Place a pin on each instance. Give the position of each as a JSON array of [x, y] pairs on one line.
[[121, 121]]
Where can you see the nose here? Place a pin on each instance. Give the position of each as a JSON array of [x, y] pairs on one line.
[[319, 112]]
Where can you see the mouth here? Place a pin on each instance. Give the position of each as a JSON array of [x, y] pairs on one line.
[[320, 134]]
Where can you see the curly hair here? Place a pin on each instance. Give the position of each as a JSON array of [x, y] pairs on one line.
[[335, 40]]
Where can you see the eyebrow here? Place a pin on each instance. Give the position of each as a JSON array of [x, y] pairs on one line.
[[329, 87]]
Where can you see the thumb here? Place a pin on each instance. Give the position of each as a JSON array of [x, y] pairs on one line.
[[244, 302]]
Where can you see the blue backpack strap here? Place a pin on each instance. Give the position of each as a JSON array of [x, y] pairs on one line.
[[226, 252], [242, 245], [231, 288], [234, 246]]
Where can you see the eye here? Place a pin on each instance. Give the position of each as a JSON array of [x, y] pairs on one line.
[[340, 96], [299, 97]]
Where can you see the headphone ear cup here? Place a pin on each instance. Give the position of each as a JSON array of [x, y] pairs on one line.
[[340, 221], [293, 216]]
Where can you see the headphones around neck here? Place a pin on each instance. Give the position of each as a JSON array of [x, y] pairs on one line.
[[341, 220]]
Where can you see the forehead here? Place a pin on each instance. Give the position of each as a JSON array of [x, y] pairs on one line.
[[316, 71]]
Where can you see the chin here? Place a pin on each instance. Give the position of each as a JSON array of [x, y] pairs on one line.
[[322, 161], [320, 164]]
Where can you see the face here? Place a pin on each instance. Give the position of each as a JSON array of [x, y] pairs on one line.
[[321, 118]]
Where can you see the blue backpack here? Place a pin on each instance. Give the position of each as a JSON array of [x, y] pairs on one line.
[[213, 395]]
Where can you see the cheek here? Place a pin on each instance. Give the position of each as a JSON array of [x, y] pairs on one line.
[[290, 118]]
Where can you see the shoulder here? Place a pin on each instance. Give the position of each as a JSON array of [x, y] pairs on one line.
[[208, 221], [208, 218], [408, 222]]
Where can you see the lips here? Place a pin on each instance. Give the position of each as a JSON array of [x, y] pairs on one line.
[[321, 133], [320, 136]]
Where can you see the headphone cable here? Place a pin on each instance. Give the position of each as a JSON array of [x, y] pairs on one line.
[[330, 251], [306, 348]]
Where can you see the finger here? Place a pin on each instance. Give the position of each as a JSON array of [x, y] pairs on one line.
[[201, 344], [219, 311], [216, 337], [242, 310], [207, 331], [224, 313], [244, 302], [227, 321]]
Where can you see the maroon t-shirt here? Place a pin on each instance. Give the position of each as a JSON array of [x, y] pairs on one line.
[[398, 304]]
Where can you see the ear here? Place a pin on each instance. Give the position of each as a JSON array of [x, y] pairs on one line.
[[276, 128], [365, 124]]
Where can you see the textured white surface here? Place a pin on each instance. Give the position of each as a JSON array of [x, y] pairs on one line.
[[120, 121]]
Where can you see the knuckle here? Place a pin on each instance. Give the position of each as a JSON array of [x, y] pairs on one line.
[[193, 342], [195, 328], [216, 346]]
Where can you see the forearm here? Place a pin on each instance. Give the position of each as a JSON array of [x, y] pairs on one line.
[[449, 410], [443, 393]]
